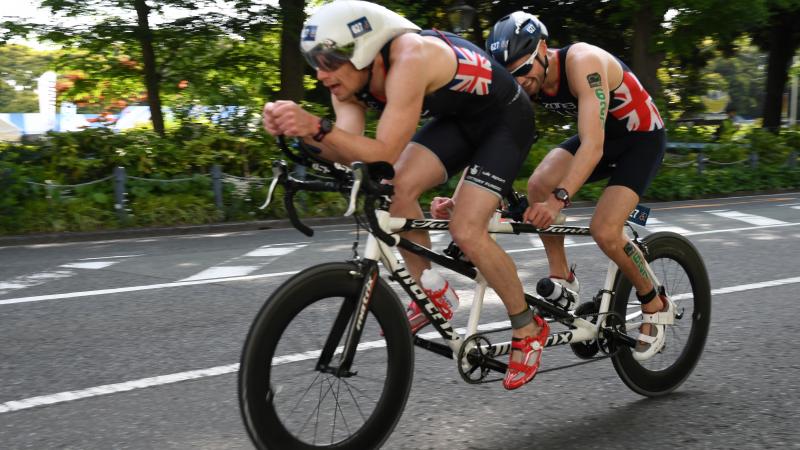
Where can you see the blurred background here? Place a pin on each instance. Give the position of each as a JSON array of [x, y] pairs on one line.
[[170, 91]]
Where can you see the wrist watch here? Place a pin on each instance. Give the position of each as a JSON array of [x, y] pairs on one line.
[[563, 195], [325, 126]]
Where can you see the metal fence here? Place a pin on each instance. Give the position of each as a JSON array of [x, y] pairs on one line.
[[120, 180], [701, 159], [218, 177]]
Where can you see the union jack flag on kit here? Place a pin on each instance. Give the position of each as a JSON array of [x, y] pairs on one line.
[[474, 74], [635, 105]]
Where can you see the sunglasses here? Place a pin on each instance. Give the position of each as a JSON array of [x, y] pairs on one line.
[[328, 56], [525, 67]]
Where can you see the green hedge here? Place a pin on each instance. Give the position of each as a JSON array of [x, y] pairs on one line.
[[190, 150]]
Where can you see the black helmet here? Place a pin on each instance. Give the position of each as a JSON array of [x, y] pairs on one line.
[[514, 36]]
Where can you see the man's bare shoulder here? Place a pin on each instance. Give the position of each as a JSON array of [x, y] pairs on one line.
[[581, 51], [408, 47]]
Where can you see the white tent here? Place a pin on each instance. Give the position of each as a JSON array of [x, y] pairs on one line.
[[8, 132]]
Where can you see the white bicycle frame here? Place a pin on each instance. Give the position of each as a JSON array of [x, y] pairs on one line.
[[584, 330]]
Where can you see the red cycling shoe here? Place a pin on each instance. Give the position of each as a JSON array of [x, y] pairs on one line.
[[522, 372]]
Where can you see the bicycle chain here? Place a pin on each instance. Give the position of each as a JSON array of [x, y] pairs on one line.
[[477, 372]]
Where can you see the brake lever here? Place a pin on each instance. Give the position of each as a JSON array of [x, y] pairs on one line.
[[278, 171], [358, 176]]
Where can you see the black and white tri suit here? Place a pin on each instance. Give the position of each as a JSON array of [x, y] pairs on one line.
[[635, 139], [481, 119]]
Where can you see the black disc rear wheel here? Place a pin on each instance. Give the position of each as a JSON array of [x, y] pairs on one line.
[[680, 269]]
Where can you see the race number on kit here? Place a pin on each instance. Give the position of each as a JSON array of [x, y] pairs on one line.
[[639, 215]]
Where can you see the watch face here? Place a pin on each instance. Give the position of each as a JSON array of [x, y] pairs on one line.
[[325, 125], [562, 195]]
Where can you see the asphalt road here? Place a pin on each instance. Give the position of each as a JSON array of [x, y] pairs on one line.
[[133, 343]]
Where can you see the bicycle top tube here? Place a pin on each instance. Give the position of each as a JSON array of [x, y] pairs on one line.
[[397, 224], [363, 179]]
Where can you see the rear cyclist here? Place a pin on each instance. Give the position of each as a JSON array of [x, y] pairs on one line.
[[370, 57], [620, 136]]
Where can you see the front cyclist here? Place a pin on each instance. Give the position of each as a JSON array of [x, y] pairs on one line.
[[620, 136], [370, 57]]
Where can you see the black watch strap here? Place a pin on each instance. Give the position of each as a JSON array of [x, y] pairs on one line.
[[325, 126]]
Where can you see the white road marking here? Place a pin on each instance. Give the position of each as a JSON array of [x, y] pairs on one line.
[[271, 251], [26, 281], [247, 263], [748, 218], [39, 298], [530, 249], [661, 226], [278, 274], [92, 265], [536, 241], [68, 396], [110, 257], [222, 272], [729, 230]]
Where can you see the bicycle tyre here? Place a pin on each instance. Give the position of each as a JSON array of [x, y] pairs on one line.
[[679, 266], [265, 374]]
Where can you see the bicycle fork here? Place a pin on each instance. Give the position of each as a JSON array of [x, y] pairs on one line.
[[351, 318]]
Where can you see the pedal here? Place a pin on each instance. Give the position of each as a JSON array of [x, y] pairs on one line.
[[549, 310], [454, 252], [613, 334]]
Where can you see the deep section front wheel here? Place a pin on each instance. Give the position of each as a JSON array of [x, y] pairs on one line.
[[291, 394], [680, 269]]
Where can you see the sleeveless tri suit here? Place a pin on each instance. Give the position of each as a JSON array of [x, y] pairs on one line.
[[481, 120], [635, 139]]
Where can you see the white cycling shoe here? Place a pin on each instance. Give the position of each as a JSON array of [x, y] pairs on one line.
[[648, 345]]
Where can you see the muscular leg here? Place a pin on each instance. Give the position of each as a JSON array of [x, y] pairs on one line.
[[416, 171], [469, 228], [607, 226], [541, 183]]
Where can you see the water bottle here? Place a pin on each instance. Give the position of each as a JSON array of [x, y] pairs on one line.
[[556, 294], [440, 292]]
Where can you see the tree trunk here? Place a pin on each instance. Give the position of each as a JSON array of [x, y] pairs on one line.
[[646, 63], [783, 41], [292, 63], [151, 77]]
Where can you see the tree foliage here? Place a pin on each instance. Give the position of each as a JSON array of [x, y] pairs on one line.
[[20, 66], [248, 53], [136, 39]]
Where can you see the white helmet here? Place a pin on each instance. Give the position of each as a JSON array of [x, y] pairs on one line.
[[349, 30]]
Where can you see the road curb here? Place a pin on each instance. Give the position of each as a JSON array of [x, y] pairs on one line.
[[128, 233]]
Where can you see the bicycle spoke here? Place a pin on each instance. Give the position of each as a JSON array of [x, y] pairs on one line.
[[355, 402], [314, 382], [339, 409]]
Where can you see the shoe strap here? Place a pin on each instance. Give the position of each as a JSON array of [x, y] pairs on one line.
[[647, 338], [664, 317]]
